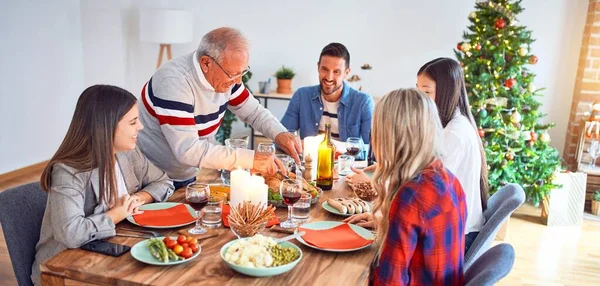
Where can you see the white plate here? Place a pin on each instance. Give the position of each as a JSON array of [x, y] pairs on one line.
[[161, 206], [332, 210], [141, 252], [320, 225]]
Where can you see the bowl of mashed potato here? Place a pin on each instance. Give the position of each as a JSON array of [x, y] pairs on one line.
[[260, 256]]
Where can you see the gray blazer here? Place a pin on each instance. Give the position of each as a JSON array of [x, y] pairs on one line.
[[74, 215]]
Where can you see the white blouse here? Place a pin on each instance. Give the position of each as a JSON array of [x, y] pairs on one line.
[[462, 157]]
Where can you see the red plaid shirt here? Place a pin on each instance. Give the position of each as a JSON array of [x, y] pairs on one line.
[[426, 240]]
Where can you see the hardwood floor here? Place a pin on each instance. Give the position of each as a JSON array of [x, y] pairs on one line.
[[544, 255]]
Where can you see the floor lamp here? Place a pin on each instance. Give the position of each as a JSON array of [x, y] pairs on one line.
[[165, 27]]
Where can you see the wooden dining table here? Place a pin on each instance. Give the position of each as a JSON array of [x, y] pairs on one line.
[[77, 266]]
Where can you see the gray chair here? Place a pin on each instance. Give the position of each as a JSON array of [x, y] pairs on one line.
[[21, 213], [499, 208], [492, 266]]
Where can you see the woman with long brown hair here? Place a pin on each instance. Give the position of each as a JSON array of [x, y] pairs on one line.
[[98, 176], [421, 232]]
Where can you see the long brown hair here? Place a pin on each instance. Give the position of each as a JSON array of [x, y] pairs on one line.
[[88, 143], [406, 138], [450, 94]]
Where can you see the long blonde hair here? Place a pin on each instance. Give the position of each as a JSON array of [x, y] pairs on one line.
[[406, 138]]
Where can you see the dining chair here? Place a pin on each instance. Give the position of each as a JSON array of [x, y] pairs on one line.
[[21, 213], [492, 266], [499, 208]]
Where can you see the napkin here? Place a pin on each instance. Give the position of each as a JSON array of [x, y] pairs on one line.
[[225, 213], [340, 237], [176, 215]]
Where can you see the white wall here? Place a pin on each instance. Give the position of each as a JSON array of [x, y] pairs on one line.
[[41, 76], [395, 37]]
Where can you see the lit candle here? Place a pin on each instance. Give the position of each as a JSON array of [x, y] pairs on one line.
[[239, 183]]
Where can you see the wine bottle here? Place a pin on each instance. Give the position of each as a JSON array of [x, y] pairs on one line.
[[370, 156], [325, 161]]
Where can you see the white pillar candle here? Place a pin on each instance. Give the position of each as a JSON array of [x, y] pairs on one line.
[[257, 194], [239, 183]]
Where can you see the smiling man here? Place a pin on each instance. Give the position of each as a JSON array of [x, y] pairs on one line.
[[331, 102], [183, 104]]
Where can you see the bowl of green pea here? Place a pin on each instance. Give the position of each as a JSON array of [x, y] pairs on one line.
[[260, 256]]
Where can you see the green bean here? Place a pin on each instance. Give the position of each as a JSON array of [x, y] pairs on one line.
[[172, 255], [154, 250]]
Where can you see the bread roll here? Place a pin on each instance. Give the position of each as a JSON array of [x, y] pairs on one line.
[[338, 206]]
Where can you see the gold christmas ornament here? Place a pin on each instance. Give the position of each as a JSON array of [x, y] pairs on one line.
[[465, 47], [531, 87], [523, 51]]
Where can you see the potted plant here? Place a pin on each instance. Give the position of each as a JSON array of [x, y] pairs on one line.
[[284, 77], [596, 203]]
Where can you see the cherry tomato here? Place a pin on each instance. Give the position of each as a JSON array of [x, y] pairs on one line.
[[186, 253], [185, 244], [178, 249], [192, 240], [194, 247], [170, 244], [181, 239], [166, 239]]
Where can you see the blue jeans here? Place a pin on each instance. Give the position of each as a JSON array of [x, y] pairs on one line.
[[179, 184], [469, 238]]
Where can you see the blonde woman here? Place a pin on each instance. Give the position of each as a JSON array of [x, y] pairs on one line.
[[421, 234]]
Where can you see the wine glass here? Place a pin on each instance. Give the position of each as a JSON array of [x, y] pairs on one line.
[[197, 195], [286, 160], [594, 151], [291, 192], [266, 148], [235, 143], [354, 145]]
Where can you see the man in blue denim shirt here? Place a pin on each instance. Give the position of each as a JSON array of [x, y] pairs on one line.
[[349, 111]]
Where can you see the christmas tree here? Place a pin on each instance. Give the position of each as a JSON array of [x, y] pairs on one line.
[[495, 54]]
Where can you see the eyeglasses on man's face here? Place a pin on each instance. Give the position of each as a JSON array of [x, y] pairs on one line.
[[231, 77]]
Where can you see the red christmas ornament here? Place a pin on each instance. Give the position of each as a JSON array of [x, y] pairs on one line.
[[500, 23], [510, 156], [478, 47], [510, 83], [533, 60], [481, 132], [507, 57], [459, 46], [534, 136]]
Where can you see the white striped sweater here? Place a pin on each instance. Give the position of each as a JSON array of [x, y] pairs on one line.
[[181, 114]]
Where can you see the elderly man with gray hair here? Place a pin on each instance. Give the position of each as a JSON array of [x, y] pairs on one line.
[[183, 104]]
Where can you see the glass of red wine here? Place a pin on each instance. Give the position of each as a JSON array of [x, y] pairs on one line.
[[291, 192], [354, 145], [197, 195]]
